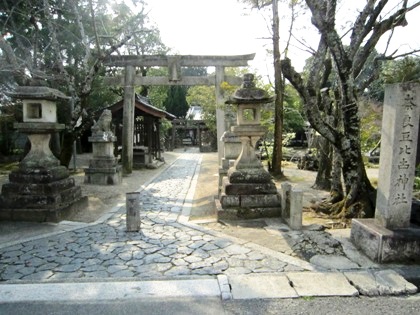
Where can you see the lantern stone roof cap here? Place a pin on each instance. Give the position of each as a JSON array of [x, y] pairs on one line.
[[249, 94], [37, 92]]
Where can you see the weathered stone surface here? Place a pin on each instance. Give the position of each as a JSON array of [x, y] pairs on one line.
[[400, 128], [39, 175], [229, 201], [252, 188], [383, 245], [248, 176], [333, 262], [380, 282], [261, 286], [103, 167], [260, 201], [321, 284]]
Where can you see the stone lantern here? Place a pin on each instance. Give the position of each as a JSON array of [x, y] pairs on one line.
[[41, 189], [248, 190]]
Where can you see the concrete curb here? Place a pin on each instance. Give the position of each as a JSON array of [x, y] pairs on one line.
[[105, 291]]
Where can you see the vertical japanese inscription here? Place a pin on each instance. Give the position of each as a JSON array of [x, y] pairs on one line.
[[400, 125], [402, 192]]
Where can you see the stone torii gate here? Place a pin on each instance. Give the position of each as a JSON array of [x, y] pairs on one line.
[[174, 63]]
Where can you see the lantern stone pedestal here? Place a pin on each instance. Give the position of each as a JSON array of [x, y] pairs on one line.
[[103, 167], [248, 190], [232, 149], [40, 189]]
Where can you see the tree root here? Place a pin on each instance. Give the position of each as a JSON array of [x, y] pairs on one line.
[[339, 209]]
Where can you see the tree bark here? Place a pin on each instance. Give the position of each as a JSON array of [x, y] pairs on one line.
[[66, 148], [278, 105], [323, 177]]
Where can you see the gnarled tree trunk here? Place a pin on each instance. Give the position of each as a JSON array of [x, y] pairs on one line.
[[349, 64]]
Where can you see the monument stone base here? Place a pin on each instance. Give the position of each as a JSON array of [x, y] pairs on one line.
[[103, 171], [106, 176], [40, 195], [383, 245], [251, 212]]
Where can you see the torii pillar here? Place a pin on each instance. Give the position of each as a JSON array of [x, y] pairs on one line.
[[174, 64]]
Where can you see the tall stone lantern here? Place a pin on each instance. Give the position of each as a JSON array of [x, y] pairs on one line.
[[248, 190], [41, 189]]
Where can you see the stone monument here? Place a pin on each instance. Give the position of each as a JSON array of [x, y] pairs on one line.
[[248, 190], [103, 167], [390, 236], [41, 189]]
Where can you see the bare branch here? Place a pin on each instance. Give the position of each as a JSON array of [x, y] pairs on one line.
[[394, 20], [56, 47], [92, 14], [83, 36]]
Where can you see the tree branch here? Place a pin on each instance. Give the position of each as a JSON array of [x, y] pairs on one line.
[[396, 19]]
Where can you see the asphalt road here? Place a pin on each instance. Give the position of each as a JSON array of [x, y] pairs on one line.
[[326, 306]]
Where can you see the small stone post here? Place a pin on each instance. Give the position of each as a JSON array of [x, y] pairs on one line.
[[291, 206], [132, 205], [286, 188], [295, 218]]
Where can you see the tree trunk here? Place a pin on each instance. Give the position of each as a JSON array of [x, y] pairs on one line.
[[359, 201], [278, 105], [336, 192], [323, 177], [66, 148]]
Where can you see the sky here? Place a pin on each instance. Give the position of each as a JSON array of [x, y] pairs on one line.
[[227, 27], [210, 27]]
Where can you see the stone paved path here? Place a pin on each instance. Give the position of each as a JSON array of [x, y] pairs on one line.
[[163, 248]]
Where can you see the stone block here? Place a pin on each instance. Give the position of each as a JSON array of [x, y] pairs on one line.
[[380, 282], [10, 189], [249, 175], [103, 162], [383, 245], [321, 284], [252, 189], [39, 175], [261, 201], [229, 201], [261, 287], [56, 213], [103, 176], [105, 149]]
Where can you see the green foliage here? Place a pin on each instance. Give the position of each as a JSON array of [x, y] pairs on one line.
[[176, 101], [402, 70], [417, 183], [393, 71], [293, 112], [63, 44], [204, 96], [370, 122], [158, 94], [417, 179]]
